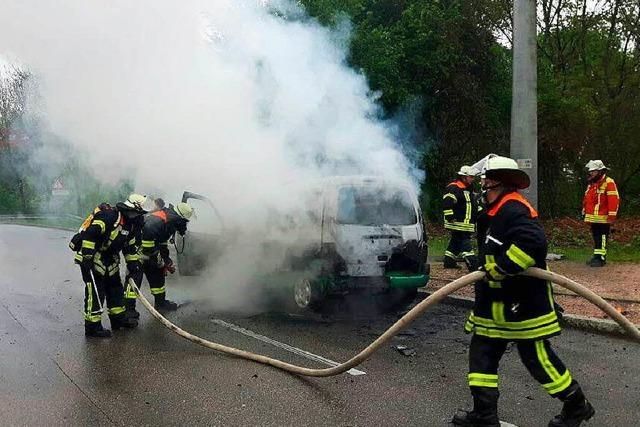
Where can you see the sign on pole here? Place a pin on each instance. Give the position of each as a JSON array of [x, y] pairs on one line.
[[58, 188]]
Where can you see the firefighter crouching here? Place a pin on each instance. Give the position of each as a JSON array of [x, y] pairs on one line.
[[600, 209], [159, 227], [106, 233], [512, 308], [459, 209]]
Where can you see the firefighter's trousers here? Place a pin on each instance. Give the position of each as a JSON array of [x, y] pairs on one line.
[[153, 269], [537, 356], [459, 248], [99, 287], [600, 234]]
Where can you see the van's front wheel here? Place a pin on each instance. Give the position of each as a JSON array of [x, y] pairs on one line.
[[307, 294]]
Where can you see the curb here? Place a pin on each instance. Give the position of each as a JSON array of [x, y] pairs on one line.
[[574, 321]]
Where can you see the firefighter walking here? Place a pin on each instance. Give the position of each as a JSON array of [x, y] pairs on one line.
[[159, 227], [600, 209], [459, 210], [106, 233], [511, 308]]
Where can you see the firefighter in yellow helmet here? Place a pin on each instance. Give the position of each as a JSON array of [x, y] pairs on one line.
[[107, 233], [512, 308], [159, 226]]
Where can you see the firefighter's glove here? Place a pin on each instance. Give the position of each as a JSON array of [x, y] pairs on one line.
[[135, 271], [494, 273], [169, 267]]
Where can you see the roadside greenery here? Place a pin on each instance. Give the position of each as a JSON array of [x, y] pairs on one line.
[[452, 59]]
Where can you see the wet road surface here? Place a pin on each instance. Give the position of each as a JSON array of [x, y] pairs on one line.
[[50, 374]]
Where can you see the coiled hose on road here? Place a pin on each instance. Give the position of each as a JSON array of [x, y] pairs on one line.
[[402, 323]]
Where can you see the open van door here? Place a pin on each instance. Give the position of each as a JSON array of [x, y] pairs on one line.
[[202, 243]]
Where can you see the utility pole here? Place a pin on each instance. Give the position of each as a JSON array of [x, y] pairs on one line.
[[524, 112]]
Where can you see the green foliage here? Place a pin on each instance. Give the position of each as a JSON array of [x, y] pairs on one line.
[[447, 54]]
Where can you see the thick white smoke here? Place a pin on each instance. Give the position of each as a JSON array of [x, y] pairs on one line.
[[223, 97]]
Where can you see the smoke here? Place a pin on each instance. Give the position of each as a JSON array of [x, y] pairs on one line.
[[242, 101]]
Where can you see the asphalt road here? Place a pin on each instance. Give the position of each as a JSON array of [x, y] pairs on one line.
[[50, 374]]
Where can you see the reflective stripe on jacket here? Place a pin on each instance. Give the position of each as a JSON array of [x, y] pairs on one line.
[[459, 207], [509, 306], [601, 201]]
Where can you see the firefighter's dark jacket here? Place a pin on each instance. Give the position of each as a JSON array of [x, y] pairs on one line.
[[508, 306], [158, 228], [459, 207], [107, 235]]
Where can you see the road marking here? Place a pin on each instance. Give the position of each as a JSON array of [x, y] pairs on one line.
[[289, 348], [505, 424]]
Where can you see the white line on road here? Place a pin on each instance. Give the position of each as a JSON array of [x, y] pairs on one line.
[[289, 348]]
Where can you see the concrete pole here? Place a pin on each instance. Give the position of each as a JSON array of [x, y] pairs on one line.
[[524, 114]]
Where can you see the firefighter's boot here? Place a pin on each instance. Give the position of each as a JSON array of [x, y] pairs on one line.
[[485, 409], [597, 261], [450, 262], [163, 304], [122, 321], [130, 309], [575, 410], [96, 330]]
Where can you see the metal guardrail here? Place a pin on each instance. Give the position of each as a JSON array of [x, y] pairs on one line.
[[11, 217], [38, 220]]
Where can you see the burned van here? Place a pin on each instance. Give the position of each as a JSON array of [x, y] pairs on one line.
[[353, 235]]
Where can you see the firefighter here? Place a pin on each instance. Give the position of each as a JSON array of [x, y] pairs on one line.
[[106, 233], [511, 308], [159, 227], [600, 209], [460, 209]]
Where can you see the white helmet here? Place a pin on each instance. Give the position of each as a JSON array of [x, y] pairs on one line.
[[136, 201], [506, 171], [467, 171], [184, 210], [595, 165]]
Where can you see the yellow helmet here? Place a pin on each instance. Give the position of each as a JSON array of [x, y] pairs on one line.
[[184, 210]]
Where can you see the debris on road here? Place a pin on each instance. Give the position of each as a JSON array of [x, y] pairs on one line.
[[405, 351]]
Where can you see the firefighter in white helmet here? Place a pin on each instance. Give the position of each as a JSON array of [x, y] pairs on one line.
[[459, 210], [159, 227], [600, 208], [513, 308], [104, 234]]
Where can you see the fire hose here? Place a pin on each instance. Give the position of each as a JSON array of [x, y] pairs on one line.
[[398, 326]]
